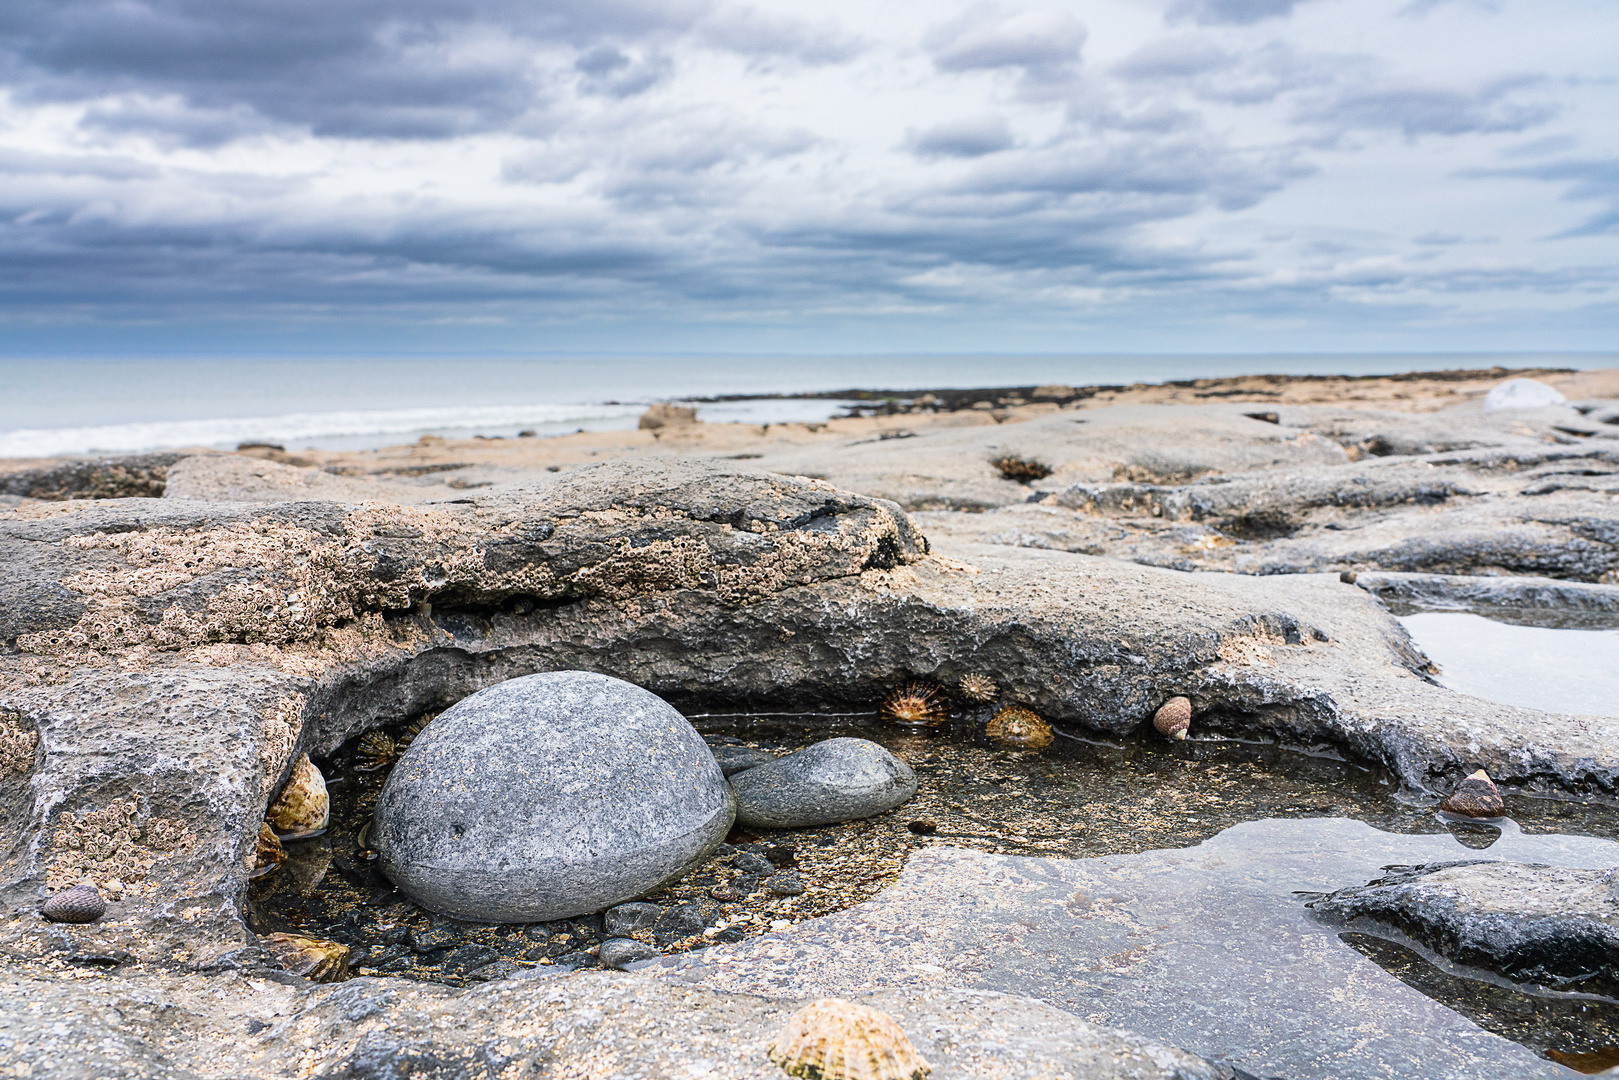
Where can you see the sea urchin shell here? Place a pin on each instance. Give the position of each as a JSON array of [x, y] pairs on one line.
[[835, 1039], [1476, 796], [915, 704], [80, 904], [315, 959], [979, 688], [303, 808], [377, 749], [1174, 717], [1017, 726]]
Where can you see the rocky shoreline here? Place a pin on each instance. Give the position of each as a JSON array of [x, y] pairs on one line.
[[165, 660]]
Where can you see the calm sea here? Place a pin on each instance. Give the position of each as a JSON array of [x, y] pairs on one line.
[[85, 406]]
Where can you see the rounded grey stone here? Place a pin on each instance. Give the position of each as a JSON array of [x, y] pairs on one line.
[[830, 781], [618, 952], [549, 796]]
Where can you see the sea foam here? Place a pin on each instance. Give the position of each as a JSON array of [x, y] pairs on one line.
[[303, 427]]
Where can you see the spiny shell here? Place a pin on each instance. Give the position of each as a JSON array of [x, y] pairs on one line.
[[80, 904], [915, 704], [267, 853], [1476, 796], [314, 958], [376, 748], [1173, 717], [1017, 726], [413, 729], [979, 688], [835, 1039], [303, 807]]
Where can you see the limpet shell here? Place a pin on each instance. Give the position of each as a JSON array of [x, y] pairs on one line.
[[1017, 726], [315, 959], [80, 904], [915, 704], [303, 807], [267, 853], [1476, 796], [1174, 717], [833, 1039], [979, 688]]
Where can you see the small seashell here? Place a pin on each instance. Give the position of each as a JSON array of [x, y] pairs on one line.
[[923, 826], [1017, 726], [80, 904], [915, 704], [303, 808], [835, 1039], [979, 688], [267, 853], [377, 749], [1174, 717], [114, 889], [313, 958], [1476, 796]]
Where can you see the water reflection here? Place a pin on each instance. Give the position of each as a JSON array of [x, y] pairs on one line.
[[1565, 671]]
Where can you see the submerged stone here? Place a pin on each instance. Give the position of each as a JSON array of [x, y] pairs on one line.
[[546, 797], [830, 781], [735, 759]]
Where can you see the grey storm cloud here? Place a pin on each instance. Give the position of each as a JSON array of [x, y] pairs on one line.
[[453, 155], [1589, 180], [1427, 110], [1042, 43], [368, 68], [1235, 12], [968, 137]]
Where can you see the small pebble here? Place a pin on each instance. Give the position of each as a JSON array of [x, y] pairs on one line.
[[616, 953], [923, 827], [726, 894], [500, 969], [114, 889], [786, 883], [749, 863], [626, 919]]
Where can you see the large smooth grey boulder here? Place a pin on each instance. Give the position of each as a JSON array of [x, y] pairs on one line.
[[549, 796], [834, 780]]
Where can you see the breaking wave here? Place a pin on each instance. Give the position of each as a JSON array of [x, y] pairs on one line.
[[228, 432]]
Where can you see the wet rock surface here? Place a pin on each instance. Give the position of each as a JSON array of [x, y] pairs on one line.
[[836, 780], [164, 662], [101, 1028], [1208, 946], [1556, 926], [549, 796]]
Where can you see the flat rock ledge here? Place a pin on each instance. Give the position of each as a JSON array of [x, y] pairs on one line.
[[588, 1024], [163, 661], [1554, 926]]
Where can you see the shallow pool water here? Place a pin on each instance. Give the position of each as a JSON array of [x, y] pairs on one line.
[[1559, 670], [1084, 799]]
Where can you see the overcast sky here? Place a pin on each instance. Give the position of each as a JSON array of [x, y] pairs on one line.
[[1140, 175]]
